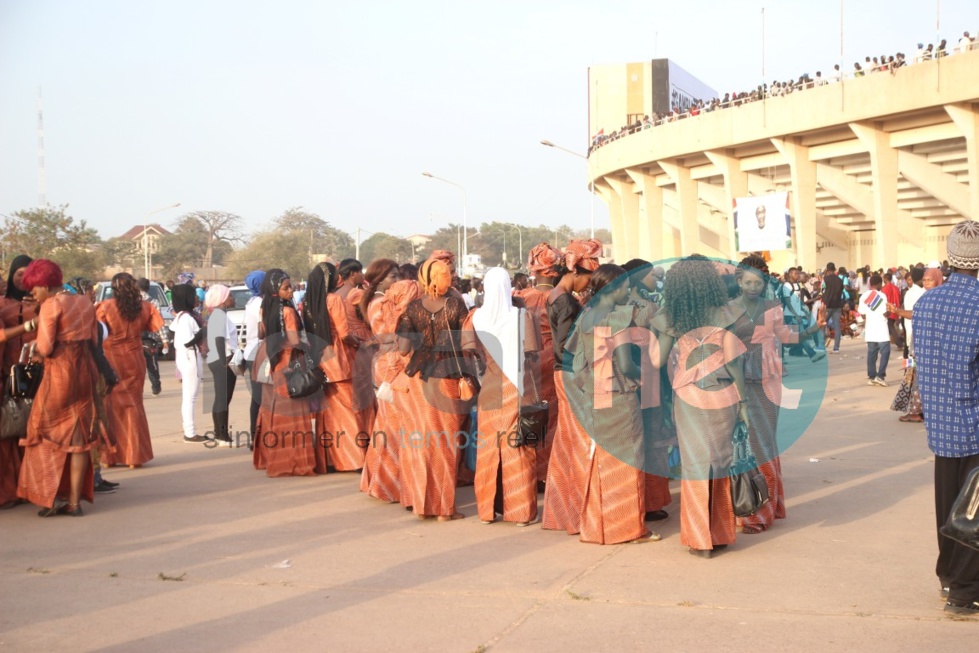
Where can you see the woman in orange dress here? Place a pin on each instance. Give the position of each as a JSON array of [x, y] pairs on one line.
[[285, 443], [604, 396], [341, 417], [706, 372], [63, 426], [429, 330], [503, 337], [542, 263], [126, 315], [17, 308], [381, 478], [564, 494]]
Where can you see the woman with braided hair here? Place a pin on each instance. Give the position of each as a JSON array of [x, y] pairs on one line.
[[127, 316], [704, 360], [285, 444]]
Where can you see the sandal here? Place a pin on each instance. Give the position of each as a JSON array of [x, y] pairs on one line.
[[70, 510], [52, 511], [911, 417], [652, 536], [751, 530], [452, 517]]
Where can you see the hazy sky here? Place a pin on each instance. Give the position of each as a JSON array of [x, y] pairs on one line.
[[254, 107]]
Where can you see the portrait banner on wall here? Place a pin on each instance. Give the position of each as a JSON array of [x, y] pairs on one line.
[[762, 223]]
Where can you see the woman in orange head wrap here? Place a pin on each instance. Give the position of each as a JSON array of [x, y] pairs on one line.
[[545, 263], [429, 331], [566, 478]]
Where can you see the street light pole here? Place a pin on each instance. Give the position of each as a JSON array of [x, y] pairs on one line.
[[465, 222], [146, 248], [591, 182]]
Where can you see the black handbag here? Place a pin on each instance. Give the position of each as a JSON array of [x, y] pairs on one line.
[[749, 490], [962, 524], [25, 375], [303, 378], [532, 423]]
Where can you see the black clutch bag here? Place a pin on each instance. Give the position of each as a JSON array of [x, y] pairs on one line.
[[962, 524], [749, 490]]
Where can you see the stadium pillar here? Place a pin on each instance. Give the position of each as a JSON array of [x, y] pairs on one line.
[[803, 173], [884, 173], [966, 118], [686, 192], [735, 185]]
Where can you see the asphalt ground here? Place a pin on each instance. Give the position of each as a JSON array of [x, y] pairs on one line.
[[198, 551]]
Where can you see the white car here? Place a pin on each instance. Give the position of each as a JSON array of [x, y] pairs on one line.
[[241, 295]]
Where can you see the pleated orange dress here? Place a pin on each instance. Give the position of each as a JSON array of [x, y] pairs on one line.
[[536, 302], [607, 402], [12, 313], [124, 405], [434, 414], [381, 478], [63, 420], [506, 475], [567, 470], [285, 441], [705, 409], [345, 414]]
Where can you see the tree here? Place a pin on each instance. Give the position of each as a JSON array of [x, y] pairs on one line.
[[382, 245], [49, 232], [296, 241], [320, 237], [188, 245], [219, 228]]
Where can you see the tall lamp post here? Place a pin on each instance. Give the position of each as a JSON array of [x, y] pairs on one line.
[[547, 143], [465, 223], [520, 259], [146, 248]]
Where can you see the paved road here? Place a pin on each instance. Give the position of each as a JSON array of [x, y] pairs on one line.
[[197, 551]]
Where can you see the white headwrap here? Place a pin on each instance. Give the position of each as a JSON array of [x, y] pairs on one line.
[[500, 326]]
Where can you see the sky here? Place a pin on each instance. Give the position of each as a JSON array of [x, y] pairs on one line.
[[256, 107]]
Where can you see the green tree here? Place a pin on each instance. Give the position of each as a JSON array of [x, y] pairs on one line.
[[49, 232], [189, 246], [295, 242], [219, 229], [382, 245]]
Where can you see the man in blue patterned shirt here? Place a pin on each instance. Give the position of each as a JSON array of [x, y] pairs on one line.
[[946, 342]]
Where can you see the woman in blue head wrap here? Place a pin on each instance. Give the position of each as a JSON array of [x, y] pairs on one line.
[[253, 317]]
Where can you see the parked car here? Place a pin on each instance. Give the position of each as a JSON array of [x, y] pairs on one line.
[[241, 295], [104, 291]]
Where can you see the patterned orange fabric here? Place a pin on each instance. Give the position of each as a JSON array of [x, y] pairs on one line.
[[583, 254], [775, 507], [657, 492], [443, 255], [542, 259], [499, 464], [12, 313], [382, 468], [285, 442], [430, 445], [124, 405], [346, 411], [568, 469], [536, 302], [63, 420]]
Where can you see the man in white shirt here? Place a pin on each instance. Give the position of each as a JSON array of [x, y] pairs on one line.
[[965, 43], [873, 306]]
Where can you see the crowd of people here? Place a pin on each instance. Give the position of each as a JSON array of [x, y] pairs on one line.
[[592, 384], [778, 88]]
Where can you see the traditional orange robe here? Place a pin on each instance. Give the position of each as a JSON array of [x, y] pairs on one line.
[[63, 420], [12, 313], [124, 405], [346, 415], [285, 442], [501, 467], [536, 301], [382, 468]]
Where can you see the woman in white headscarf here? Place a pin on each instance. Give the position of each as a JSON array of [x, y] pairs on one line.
[[503, 337]]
